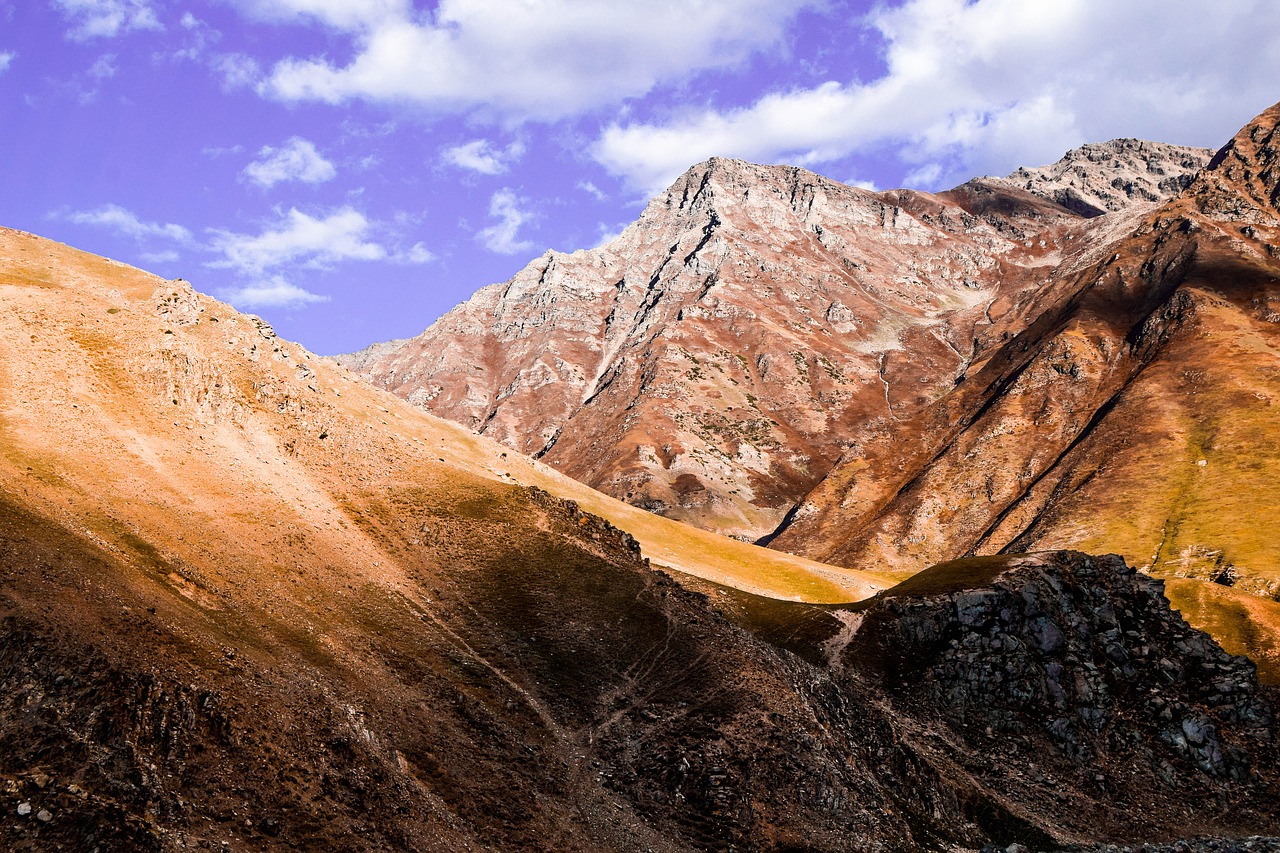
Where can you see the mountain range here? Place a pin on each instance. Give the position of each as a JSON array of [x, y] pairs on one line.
[[1078, 355], [250, 601]]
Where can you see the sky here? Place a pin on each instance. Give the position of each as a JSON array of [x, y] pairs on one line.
[[352, 169]]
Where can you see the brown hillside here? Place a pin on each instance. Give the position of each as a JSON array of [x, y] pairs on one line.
[[1135, 415]]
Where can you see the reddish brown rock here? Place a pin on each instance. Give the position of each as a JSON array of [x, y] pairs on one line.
[[714, 361]]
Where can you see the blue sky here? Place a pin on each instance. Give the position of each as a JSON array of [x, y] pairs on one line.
[[351, 169]]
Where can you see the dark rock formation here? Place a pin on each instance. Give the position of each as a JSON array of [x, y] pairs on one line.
[[1077, 665]]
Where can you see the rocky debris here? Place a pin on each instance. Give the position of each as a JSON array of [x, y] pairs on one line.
[[1060, 665], [177, 303], [1255, 844], [1104, 177]]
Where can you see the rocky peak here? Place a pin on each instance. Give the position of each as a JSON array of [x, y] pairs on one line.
[[1242, 181], [715, 359], [1103, 177]]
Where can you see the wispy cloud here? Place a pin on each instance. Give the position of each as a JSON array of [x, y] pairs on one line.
[[272, 292], [480, 155], [6, 59], [125, 222], [296, 160], [92, 19], [592, 190], [418, 253], [503, 236], [300, 239], [237, 70]]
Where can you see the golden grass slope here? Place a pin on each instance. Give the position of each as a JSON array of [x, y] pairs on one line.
[[165, 426]]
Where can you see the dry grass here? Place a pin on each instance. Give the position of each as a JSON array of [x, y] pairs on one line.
[[236, 477]]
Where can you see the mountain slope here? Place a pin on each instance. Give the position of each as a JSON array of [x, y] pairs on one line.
[[115, 345], [244, 605], [713, 362], [1135, 416]]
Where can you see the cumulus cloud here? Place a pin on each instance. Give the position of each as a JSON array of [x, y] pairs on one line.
[[125, 222], [503, 236], [296, 160], [300, 238], [986, 85], [479, 155], [6, 59], [93, 19], [272, 292], [543, 60]]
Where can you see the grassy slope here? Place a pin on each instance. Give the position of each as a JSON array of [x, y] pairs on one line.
[[113, 410]]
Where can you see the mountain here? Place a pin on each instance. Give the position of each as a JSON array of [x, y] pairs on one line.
[[249, 603], [715, 361], [1109, 176], [1135, 416]]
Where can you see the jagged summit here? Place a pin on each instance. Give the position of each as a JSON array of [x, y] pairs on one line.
[[1104, 177], [1242, 182]]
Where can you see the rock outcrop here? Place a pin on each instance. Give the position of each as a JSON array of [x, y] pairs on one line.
[[1105, 177], [1078, 660], [714, 361]]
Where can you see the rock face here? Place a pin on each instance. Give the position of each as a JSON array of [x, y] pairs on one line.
[[713, 362], [1109, 176], [1073, 668], [1141, 396]]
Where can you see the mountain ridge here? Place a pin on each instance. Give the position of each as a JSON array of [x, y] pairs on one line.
[[638, 367]]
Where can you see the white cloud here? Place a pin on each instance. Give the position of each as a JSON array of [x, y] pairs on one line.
[[123, 221], [107, 18], [299, 238], [416, 254], [606, 234], [216, 152], [296, 160], [273, 292], [6, 59], [346, 15], [104, 67], [479, 155], [986, 85], [167, 256], [529, 60], [237, 70], [592, 190], [503, 236]]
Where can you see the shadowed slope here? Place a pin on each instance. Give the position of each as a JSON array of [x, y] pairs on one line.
[[1135, 415]]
